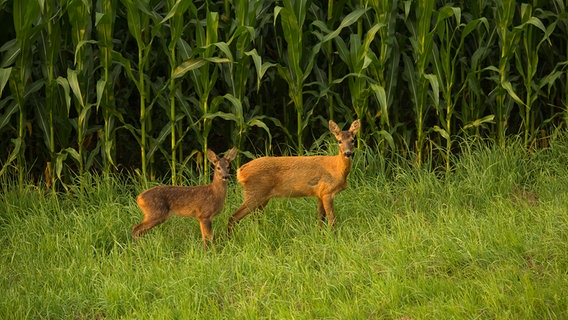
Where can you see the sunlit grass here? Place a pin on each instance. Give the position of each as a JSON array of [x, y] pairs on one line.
[[411, 244]]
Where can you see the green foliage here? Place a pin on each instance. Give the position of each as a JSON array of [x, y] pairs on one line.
[[149, 85]]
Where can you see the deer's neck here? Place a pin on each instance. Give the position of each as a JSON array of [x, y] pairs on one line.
[[344, 165], [218, 185]]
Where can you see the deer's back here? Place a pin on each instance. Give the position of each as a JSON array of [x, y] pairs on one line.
[[293, 176], [185, 201]]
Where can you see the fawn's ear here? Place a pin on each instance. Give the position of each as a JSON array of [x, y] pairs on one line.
[[355, 126], [231, 154], [334, 128], [212, 156]]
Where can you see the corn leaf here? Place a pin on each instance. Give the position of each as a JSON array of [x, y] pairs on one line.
[[42, 119], [388, 137], [442, 132], [261, 68], [478, 122], [74, 85], [381, 96], [195, 63], [159, 140], [101, 85], [12, 50], [187, 66], [67, 94], [4, 77], [178, 8], [350, 19], [17, 142], [255, 122], [409, 72], [507, 86], [435, 85], [8, 112]]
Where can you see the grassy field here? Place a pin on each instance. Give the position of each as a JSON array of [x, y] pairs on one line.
[[488, 241]]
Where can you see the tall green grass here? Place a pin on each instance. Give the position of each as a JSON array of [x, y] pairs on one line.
[[487, 240]]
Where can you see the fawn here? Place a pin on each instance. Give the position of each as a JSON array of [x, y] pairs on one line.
[[301, 176], [201, 202]]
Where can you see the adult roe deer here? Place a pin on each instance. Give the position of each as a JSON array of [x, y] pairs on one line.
[[301, 176], [201, 202]]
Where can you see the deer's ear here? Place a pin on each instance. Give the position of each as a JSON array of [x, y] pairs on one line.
[[231, 154], [334, 128], [212, 156], [355, 126]]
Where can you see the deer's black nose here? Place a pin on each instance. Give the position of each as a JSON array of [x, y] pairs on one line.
[[348, 154]]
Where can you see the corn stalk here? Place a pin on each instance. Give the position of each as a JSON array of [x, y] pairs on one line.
[[446, 64], [527, 64], [292, 16], [8, 107], [203, 66], [385, 71], [416, 70], [362, 64], [508, 43], [78, 79], [105, 84], [358, 57], [330, 58], [25, 16], [175, 20], [50, 39], [562, 19], [205, 76], [478, 48], [143, 26], [241, 40]]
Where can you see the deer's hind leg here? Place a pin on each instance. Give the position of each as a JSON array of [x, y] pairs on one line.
[[153, 216], [250, 204], [146, 224]]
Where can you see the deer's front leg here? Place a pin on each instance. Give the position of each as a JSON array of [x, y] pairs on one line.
[[321, 212], [328, 207], [206, 231]]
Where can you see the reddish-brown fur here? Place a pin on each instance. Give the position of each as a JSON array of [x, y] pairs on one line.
[[307, 176], [201, 202]]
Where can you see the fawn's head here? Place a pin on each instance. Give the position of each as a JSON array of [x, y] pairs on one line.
[[222, 164], [346, 139]]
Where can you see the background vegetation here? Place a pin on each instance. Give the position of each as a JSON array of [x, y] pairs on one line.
[[488, 241], [148, 85]]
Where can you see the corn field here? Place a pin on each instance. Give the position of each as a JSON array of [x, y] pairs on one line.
[[149, 85]]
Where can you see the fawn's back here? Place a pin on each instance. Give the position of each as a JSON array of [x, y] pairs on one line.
[[184, 201]]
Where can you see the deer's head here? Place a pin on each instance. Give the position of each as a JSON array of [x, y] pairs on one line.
[[346, 139], [222, 164]]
